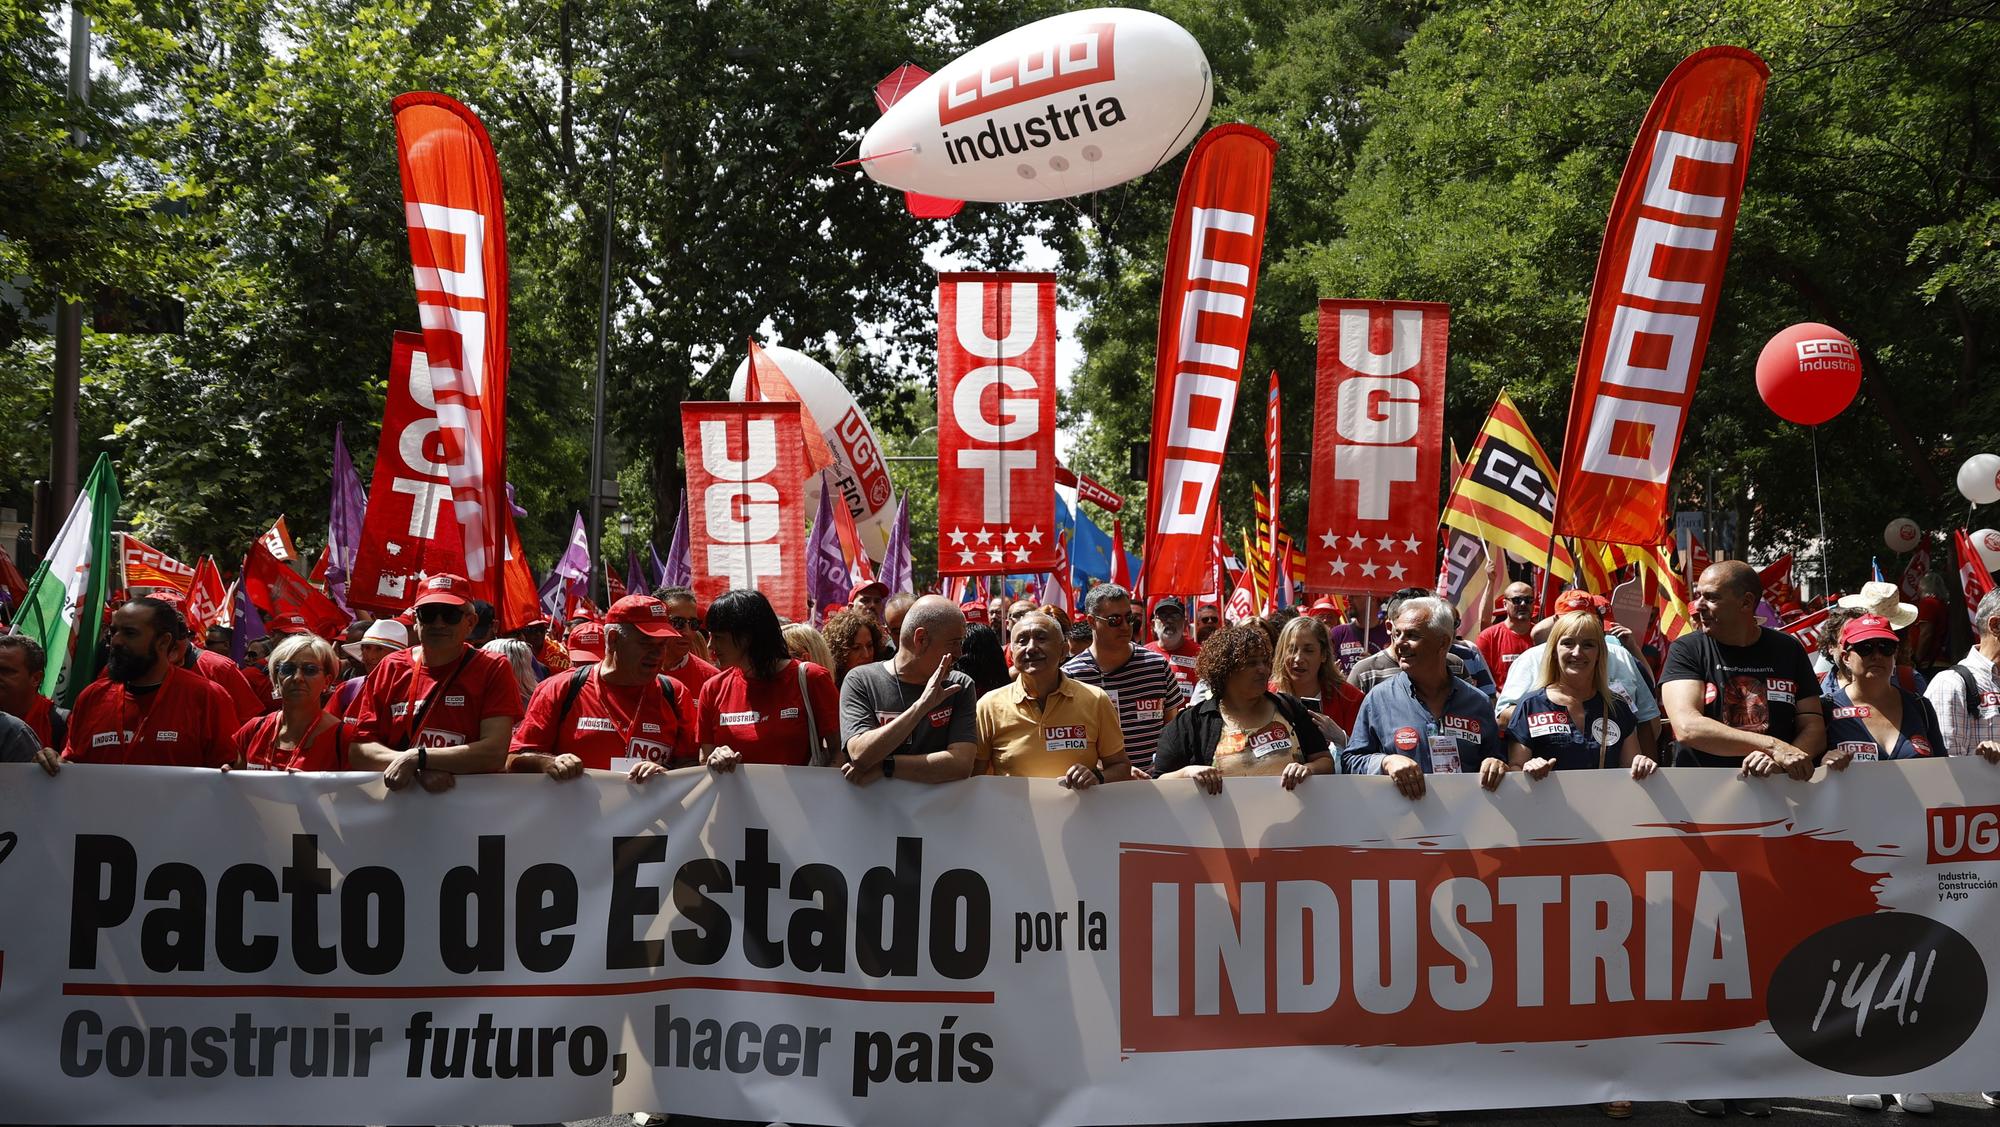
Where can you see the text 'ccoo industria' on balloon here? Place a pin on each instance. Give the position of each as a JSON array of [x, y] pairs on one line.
[[1064, 106]]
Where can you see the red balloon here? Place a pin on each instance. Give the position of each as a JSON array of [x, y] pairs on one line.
[[1809, 373]]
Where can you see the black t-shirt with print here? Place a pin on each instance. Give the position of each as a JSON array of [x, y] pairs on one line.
[[1753, 688]]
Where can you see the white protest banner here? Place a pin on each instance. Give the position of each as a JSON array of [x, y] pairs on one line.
[[180, 947]]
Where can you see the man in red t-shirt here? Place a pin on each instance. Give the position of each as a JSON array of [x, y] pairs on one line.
[[620, 708], [147, 710], [690, 670], [439, 709], [1173, 642], [1510, 637], [22, 662], [250, 699]]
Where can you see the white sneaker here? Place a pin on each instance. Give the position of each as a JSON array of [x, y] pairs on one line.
[[1866, 1101], [1916, 1103]]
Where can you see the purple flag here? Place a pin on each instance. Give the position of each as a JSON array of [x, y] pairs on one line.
[[656, 573], [344, 516], [897, 573], [680, 571], [826, 564], [575, 562], [635, 578], [247, 624]]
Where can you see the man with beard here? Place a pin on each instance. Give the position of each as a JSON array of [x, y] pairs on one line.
[[147, 709], [1742, 697], [1047, 725], [621, 708], [439, 709], [1171, 640]]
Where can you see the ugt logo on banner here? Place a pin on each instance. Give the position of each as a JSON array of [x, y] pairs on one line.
[[996, 423], [1379, 412], [746, 493]]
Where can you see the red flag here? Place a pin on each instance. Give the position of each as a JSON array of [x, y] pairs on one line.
[[747, 510], [1088, 489], [996, 423], [859, 568], [765, 382], [1658, 277], [1779, 590], [12, 585], [276, 589], [1207, 291], [458, 252], [614, 587], [207, 599], [519, 603], [1973, 578], [1121, 573], [1274, 440], [407, 531], [147, 566], [1379, 412], [1913, 575], [1808, 629], [278, 541]]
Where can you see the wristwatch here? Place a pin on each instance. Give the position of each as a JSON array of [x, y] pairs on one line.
[[889, 766]]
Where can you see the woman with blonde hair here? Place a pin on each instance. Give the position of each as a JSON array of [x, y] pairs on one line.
[[807, 644], [1574, 720], [1306, 667], [301, 735], [522, 659]]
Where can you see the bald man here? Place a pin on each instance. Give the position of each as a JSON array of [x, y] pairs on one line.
[[913, 716], [1737, 694]]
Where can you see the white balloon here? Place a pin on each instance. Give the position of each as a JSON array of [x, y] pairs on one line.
[[1902, 534], [1987, 543], [1071, 104], [858, 470], [1979, 479]]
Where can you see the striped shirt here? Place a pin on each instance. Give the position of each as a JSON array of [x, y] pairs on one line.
[[1966, 721], [1145, 691]]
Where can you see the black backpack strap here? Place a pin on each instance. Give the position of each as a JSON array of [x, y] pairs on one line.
[[570, 692], [673, 701]]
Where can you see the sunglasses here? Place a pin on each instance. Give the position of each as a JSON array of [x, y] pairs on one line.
[[1875, 648], [297, 669], [684, 624], [450, 616], [1520, 600], [1111, 619]]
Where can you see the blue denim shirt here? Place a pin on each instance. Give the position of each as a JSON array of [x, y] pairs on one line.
[[1394, 721]]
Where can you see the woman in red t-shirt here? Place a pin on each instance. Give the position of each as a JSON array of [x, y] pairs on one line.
[[764, 707], [302, 735]]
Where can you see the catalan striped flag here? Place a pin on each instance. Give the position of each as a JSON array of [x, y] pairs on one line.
[[1675, 617], [1504, 495]]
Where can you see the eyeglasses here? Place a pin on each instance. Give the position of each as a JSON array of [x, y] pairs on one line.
[[297, 669], [1110, 619], [1876, 648], [433, 613]]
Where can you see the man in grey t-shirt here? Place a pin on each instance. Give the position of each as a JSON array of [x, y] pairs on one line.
[[912, 716], [17, 741]]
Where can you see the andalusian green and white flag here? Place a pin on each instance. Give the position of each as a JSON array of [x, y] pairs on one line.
[[64, 607]]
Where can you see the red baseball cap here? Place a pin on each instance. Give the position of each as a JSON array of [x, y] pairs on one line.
[[860, 589], [450, 590], [287, 624], [1324, 606], [974, 612], [1570, 601], [643, 613], [1868, 627], [585, 642]]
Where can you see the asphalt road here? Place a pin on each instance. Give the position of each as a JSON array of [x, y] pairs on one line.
[[1955, 1107]]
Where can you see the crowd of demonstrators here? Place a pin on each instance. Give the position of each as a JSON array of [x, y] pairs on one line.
[[1461, 658], [148, 709]]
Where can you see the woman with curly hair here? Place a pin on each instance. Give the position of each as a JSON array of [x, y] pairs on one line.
[[852, 638], [1306, 667], [1242, 728]]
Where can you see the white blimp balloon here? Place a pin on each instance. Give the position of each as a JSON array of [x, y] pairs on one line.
[[859, 471], [1902, 534], [1071, 104], [1987, 543], [1979, 479]]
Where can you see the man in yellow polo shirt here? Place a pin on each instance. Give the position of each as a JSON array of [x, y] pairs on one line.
[[1046, 725]]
